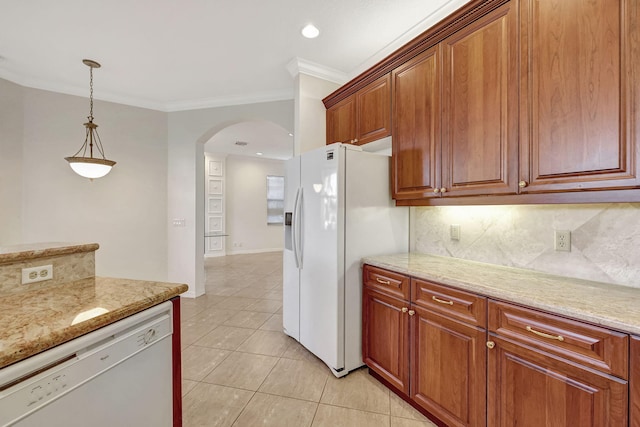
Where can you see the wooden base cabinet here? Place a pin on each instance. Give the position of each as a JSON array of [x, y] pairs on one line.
[[385, 338], [448, 368], [530, 389], [634, 382], [433, 359], [541, 371]]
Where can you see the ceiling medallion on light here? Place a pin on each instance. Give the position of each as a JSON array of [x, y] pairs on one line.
[[90, 167], [310, 31]]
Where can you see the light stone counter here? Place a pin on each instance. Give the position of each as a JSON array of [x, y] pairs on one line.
[[36, 320], [613, 306]]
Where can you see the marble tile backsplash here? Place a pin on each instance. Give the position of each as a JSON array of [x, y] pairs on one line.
[[605, 238]]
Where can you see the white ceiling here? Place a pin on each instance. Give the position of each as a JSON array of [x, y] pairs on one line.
[[174, 55]]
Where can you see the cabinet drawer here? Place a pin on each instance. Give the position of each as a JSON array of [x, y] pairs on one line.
[[589, 345], [390, 283], [460, 305]]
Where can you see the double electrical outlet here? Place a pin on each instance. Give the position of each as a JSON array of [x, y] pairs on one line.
[[562, 240], [37, 274]]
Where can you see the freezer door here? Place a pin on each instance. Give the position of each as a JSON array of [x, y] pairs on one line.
[[290, 271], [322, 243]]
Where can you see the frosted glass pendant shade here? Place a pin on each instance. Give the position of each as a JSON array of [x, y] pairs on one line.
[[89, 167]]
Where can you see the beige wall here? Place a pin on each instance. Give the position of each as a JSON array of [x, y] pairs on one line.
[[605, 238], [11, 135], [246, 209], [125, 212], [310, 114]]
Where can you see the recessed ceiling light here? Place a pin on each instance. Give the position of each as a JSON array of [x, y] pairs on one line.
[[290, 134], [310, 31], [259, 153]]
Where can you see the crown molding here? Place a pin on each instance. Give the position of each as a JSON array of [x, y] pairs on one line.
[[255, 98], [299, 65]]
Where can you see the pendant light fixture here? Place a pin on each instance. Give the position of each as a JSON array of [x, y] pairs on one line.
[[90, 167]]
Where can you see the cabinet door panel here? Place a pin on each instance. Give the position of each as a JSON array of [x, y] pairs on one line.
[[385, 337], [529, 389], [416, 127], [374, 110], [341, 121], [634, 383], [449, 368], [480, 91], [579, 94]]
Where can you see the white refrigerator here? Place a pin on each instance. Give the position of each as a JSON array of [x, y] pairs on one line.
[[338, 209]]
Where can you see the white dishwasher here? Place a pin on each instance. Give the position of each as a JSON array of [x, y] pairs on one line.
[[119, 375]]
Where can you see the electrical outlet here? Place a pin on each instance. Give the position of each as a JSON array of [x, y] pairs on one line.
[[37, 274], [454, 231], [562, 240]]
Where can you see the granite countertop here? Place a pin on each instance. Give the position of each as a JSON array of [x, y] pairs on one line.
[[14, 253], [34, 321], [614, 306]]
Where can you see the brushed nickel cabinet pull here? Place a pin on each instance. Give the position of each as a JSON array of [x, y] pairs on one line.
[[443, 190], [384, 282], [436, 190], [412, 312], [405, 309], [491, 344], [522, 184], [441, 301], [542, 334]]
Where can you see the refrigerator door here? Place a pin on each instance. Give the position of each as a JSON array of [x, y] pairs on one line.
[[322, 243], [290, 271]]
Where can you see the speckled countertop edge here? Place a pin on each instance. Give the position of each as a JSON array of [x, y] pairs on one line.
[[43, 320], [17, 253], [613, 306]]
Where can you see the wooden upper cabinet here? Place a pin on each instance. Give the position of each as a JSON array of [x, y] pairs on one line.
[[579, 94], [480, 106], [362, 117], [373, 116], [415, 165], [341, 121]]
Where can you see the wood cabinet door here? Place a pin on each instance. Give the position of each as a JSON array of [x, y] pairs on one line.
[[480, 106], [385, 337], [634, 382], [341, 121], [579, 94], [415, 163], [448, 364], [527, 388], [373, 105]]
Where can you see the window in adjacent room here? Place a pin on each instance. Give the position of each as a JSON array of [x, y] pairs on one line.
[[275, 199]]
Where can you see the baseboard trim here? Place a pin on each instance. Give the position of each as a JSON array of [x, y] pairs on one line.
[[253, 251]]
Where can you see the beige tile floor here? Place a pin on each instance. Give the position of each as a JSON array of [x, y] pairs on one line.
[[239, 369]]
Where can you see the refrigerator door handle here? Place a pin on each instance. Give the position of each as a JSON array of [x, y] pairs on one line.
[[298, 233], [294, 225]]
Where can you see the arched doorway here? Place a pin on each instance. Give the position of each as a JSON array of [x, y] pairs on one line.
[[242, 163]]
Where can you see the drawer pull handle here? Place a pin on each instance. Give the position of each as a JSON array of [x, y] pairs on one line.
[[542, 334], [384, 282], [405, 309], [491, 344], [412, 312], [441, 301]]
